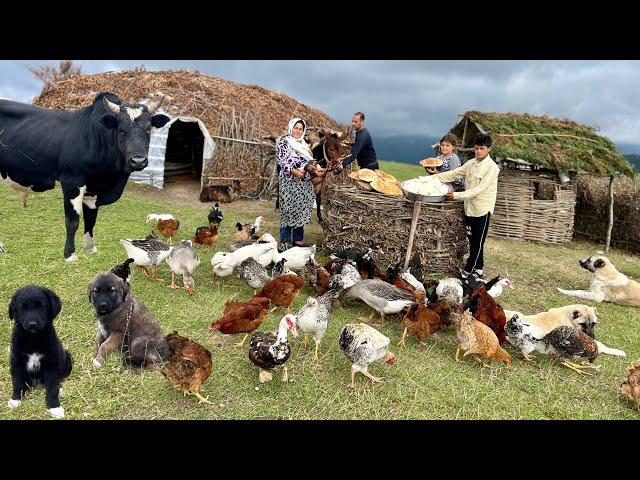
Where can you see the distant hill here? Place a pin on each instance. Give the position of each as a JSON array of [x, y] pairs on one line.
[[634, 159], [404, 148]]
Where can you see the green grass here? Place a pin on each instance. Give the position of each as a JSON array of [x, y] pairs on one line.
[[425, 383], [402, 171]]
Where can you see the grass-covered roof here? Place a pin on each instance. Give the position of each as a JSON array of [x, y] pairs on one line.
[[557, 144]]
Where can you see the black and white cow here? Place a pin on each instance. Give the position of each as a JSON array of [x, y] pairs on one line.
[[91, 151]]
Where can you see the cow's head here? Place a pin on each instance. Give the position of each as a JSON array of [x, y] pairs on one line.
[[133, 122], [335, 145]]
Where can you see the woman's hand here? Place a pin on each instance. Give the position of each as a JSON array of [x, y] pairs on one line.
[[432, 170], [297, 173]]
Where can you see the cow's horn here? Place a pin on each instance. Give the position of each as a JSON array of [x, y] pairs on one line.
[[153, 106], [111, 106]]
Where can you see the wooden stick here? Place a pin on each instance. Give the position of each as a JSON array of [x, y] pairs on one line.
[[607, 242], [417, 205]]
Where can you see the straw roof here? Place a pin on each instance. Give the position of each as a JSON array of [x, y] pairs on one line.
[[561, 145], [187, 93]]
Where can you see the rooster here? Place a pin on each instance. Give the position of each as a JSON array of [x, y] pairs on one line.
[[215, 217], [167, 225]]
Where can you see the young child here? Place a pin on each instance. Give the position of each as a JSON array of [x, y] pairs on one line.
[[481, 179]]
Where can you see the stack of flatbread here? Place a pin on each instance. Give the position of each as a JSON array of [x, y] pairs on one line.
[[426, 185], [376, 180]]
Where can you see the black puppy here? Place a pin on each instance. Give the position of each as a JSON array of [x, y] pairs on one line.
[[37, 356]]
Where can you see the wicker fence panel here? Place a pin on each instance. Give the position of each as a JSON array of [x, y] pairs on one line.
[[356, 219], [532, 207]]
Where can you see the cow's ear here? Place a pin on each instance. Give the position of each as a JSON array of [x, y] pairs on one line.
[[109, 121], [55, 304], [159, 120]]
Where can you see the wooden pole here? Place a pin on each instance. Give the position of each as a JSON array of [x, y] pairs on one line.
[[417, 205], [610, 227]]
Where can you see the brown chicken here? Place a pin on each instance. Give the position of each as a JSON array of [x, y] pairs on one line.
[[423, 320], [242, 317], [476, 338], [485, 309], [631, 388], [283, 290], [188, 366], [167, 225], [206, 235]]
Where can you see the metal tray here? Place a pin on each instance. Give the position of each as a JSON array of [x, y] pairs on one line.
[[422, 198]]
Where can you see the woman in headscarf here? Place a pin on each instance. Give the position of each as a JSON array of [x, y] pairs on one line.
[[296, 195]]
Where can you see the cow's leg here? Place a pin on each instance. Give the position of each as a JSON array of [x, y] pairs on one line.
[[89, 214], [318, 207], [72, 209]]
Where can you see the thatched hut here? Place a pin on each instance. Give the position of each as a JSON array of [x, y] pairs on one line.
[[217, 130], [540, 158]]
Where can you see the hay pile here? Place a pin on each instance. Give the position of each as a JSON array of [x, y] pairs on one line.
[[356, 219], [560, 145], [189, 94], [592, 211]]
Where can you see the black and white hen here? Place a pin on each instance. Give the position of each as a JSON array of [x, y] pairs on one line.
[[270, 350], [123, 270], [215, 216]]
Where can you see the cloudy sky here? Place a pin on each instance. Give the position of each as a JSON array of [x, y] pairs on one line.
[[416, 97]]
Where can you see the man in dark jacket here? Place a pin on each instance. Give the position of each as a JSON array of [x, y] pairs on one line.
[[362, 149]]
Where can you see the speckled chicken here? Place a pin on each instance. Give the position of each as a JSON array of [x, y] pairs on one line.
[[476, 338], [363, 345], [188, 366], [631, 388], [315, 315], [527, 337], [242, 317], [572, 343], [279, 269], [270, 350], [166, 224], [316, 275], [449, 290], [183, 260], [123, 270], [253, 273]]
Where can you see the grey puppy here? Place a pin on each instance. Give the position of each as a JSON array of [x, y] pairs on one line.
[[124, 321]]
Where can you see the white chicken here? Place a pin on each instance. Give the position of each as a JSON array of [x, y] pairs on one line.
[[496, 290], [411, 280]]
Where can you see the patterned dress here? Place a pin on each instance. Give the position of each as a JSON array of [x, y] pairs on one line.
[[296, 196], [451, 162]]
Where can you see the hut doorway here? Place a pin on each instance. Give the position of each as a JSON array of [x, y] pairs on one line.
[[185, 148]]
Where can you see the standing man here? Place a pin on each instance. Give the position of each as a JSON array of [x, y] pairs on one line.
[[362, 149], [481, 179]]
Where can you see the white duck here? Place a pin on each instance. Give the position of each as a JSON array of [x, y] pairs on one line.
[[147, 252], [225, 262], [220, 269], [183, 260], [296, 257]]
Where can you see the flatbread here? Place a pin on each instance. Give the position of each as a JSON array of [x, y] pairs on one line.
[[387, 177], [367, 175], [433, 162], [354, 175], [388, 188], [364, 185]]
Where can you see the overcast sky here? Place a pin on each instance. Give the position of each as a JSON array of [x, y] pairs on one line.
[[415, 97]]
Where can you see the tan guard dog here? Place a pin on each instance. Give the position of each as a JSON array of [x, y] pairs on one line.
[[607, 284]]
